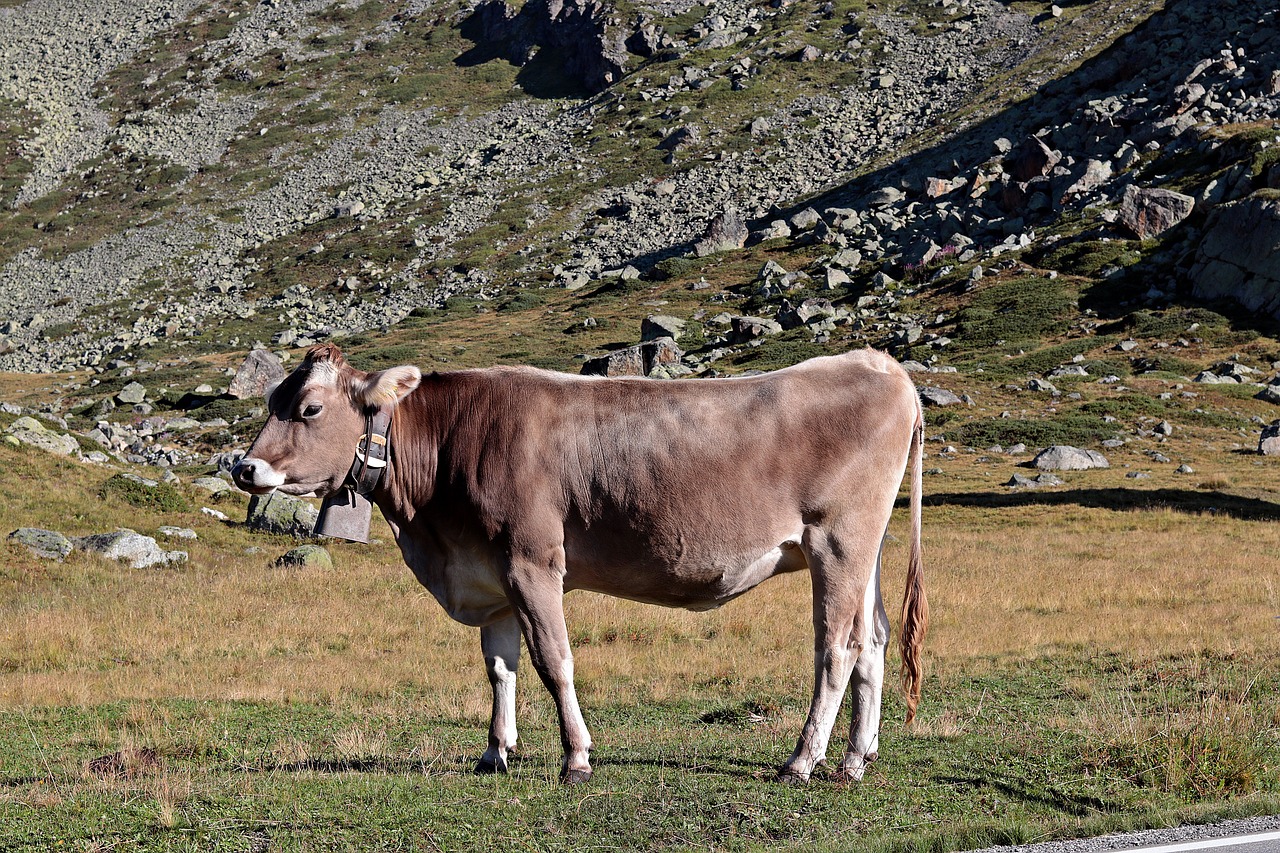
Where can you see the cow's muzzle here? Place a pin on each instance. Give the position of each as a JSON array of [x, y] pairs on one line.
[[256, 476]]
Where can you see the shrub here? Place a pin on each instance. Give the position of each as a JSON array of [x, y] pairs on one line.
[[162, 497], [1089, 257], [1023, 309], [1073, 429]]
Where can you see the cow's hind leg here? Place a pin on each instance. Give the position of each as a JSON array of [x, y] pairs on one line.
[[537, 592], [841, 568], [868, 683], [500, 643]]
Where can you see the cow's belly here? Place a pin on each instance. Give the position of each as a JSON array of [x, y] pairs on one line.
[[696, 581], [464, 581]]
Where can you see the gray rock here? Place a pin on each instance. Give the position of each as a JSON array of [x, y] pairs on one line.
[[805, 219], [125, 545], [1269, 443], [212, 485], [1238, 257], [641, 360], [1031, 159], [280, 513], [1150, 211], [661, 326], [932, 396], [28, 430], [726, 232], [46, 544], [132, 394], [258, 370], [743, 329], [1036, 482], [1042, 385], [1270, 394], [1064, 457], [310, 556], [176, 532]]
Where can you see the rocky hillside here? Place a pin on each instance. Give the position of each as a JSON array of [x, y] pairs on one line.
[[1062, 200]]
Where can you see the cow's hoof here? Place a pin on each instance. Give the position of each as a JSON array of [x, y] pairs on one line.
[[790, 777], [575, 777], [485, 767], [847, 775]]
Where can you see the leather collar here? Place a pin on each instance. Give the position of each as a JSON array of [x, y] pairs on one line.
[[372, 452]]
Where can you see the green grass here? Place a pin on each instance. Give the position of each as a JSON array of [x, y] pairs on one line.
[[162, 497], [1014, 311], [1073, 429], [1006, 752]]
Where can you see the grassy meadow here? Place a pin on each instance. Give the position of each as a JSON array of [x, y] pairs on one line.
[[1101, 656]]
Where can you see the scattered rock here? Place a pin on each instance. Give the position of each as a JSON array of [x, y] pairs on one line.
[[132, 394], [310, 556], [1040, 480], [280, 513], [1064, 457], [932, 396], [125, 545], [640, 360], [661, 326], [1149, 211], [726, 232], [46, 544], [258, 370], [1269, 443], [28, 430]]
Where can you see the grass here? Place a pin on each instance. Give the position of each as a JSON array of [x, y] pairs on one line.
[[1073, 686]]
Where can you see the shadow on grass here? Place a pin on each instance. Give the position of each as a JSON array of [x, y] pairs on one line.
[[1179, 500], [1076, 805]]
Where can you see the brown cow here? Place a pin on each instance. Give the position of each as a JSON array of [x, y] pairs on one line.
[[508, 486]]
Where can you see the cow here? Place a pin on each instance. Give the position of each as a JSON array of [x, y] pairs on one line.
[[505, 487]]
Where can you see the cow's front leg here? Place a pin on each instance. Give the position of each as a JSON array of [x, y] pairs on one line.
[[500, 643], [536, 588]]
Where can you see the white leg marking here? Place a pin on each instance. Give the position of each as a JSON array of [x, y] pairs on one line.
[[868, 682], [500, 643]]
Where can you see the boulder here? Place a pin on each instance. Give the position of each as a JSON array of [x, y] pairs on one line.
[[931, 396], [1031, 159], [311, 556], [661, 326], [28, 430], [639, 360], [583, 37], [125, 545], [1150, 211], [47, 544], [1063, 457], [1269, 443], [743, 328], [132, 394], [259, 369], [1239, 256], [725, 233], [281, 513]]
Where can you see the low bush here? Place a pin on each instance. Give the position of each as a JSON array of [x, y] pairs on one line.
[[162, 497]]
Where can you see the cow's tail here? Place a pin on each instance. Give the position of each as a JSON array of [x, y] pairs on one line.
[[915, 606]]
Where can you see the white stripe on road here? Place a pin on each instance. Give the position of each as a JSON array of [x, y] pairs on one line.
[[1238, 840]]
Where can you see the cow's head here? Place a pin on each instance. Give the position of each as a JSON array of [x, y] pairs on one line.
[[315, 418]]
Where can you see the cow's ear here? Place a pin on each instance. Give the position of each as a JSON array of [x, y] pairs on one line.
[[388, 387]]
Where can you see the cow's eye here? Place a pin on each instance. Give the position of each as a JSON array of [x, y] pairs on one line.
[[312, 410]]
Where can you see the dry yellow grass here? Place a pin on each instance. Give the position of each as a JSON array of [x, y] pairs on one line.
[[1031, 580]]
